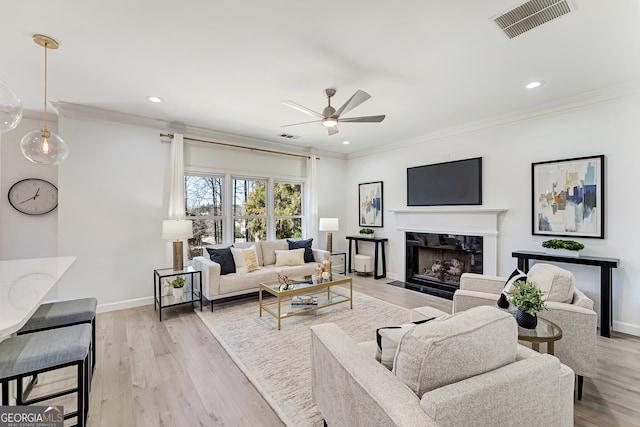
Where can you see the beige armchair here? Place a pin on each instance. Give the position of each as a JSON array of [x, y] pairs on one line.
[[576, 318], [432, 383]]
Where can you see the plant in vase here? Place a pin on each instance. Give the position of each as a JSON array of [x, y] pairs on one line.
[[562, 247], [528, 300], [178, 286], [366, 232]]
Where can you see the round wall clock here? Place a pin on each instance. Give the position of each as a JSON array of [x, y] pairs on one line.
[[33, 196]]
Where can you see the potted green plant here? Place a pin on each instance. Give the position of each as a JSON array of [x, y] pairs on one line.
[[528, 300], [366, 232], [178, 286], [562, 247]]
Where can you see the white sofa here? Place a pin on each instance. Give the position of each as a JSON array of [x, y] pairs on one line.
[[578, 346], [216, 286], [352, 389]]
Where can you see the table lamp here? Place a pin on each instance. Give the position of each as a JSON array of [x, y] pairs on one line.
[[329, 225], [177, 230]]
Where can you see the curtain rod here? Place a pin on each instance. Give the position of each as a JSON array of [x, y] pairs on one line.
[[170, 135]]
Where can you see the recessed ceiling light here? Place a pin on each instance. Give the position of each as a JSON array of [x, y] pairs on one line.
[[535, 84], [346, 142], [154, 99]]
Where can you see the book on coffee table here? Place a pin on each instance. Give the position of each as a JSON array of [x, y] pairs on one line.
[[304, 300]]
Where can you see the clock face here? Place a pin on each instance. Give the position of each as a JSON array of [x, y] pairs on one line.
[[33, 196]]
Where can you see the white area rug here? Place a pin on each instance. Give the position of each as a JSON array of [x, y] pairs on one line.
[[278, 362]]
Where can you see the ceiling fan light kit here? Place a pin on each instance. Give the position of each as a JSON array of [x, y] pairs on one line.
[[43, 146], [330, 117]]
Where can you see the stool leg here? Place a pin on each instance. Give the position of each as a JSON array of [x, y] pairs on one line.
[[5, 393], [87, 373], [93, 344], [81, 394]]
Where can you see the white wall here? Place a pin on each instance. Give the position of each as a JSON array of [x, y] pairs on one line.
[[610, 128], [21, 235], [112, 203]]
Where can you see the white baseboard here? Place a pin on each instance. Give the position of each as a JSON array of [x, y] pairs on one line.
[[626, 328], [122, 305]]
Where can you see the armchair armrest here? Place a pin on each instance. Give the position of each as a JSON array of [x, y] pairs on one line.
[[482, 283], [351, 388], [210, 275], [320, 255]]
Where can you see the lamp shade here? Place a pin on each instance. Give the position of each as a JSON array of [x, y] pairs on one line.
[[177, 229], [329, 224]]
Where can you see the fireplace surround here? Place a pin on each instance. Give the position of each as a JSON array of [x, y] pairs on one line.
[[479, 224]]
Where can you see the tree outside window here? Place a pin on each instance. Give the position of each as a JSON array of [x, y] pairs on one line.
[[203, 204]]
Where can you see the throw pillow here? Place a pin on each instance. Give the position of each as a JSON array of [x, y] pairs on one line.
[[387, 340], [306, 244], [503, 302], [246, 260], [292, 257], [223, 257]]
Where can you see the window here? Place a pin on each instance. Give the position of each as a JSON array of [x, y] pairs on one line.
[[249, 210], [287, 209], [204, 205], [226, 208]]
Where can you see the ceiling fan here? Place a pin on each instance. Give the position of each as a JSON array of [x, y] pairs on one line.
[[330, 116]]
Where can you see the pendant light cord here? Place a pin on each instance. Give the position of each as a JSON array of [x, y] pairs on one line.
[[45, 86]]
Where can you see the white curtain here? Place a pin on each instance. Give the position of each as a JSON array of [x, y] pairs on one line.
[[311, 199], [176, 190]]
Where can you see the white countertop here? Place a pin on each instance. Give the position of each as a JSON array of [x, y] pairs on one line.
[[24, 284]]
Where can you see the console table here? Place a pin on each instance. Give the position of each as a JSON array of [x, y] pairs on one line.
[[605, 264], [377, 241]]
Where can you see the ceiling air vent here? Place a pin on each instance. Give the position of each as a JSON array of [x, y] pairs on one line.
[[530, 15], [287, 136]]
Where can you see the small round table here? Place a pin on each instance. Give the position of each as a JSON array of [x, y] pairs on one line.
[[546, 331]]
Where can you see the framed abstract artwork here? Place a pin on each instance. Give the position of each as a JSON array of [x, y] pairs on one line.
[[568, 197], [370, 204]]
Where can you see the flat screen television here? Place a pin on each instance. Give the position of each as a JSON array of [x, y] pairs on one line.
[[445, 184]]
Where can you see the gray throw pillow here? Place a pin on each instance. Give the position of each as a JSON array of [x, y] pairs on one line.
[[306, 244], [223, 257]]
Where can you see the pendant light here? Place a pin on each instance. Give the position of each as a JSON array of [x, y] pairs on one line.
[[43, 146], [10, 108]]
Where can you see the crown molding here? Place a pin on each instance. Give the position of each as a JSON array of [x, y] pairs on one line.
[[561, 106], [84, 112]]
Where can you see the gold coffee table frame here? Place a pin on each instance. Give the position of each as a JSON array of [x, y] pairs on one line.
[[310, 285]]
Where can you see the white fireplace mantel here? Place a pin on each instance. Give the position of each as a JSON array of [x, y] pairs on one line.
[[464, 220]]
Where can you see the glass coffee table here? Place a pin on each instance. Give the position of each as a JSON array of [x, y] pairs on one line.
[[305, 294], [545, 332]]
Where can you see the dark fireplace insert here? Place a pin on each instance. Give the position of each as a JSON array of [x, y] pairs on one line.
[[435, 262]]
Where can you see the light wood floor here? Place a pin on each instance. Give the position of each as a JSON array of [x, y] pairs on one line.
[[174, 373]]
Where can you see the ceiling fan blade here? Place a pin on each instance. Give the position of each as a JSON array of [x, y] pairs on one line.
[[303, 123], [358, 98], [303, 109], [333, 130], [365, 119]]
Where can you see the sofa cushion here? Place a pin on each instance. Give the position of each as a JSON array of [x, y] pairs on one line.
[[306, 244], [246, 260], [466, 344], [556, 283], [503, 301], [290, 257], [223, 257], [388, 338], [269, 248]]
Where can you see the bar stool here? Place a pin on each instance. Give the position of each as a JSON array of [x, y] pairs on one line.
[[58, 315], [39, 352]]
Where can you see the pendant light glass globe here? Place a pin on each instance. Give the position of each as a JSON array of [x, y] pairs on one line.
[[44, 147], [10, 108]]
